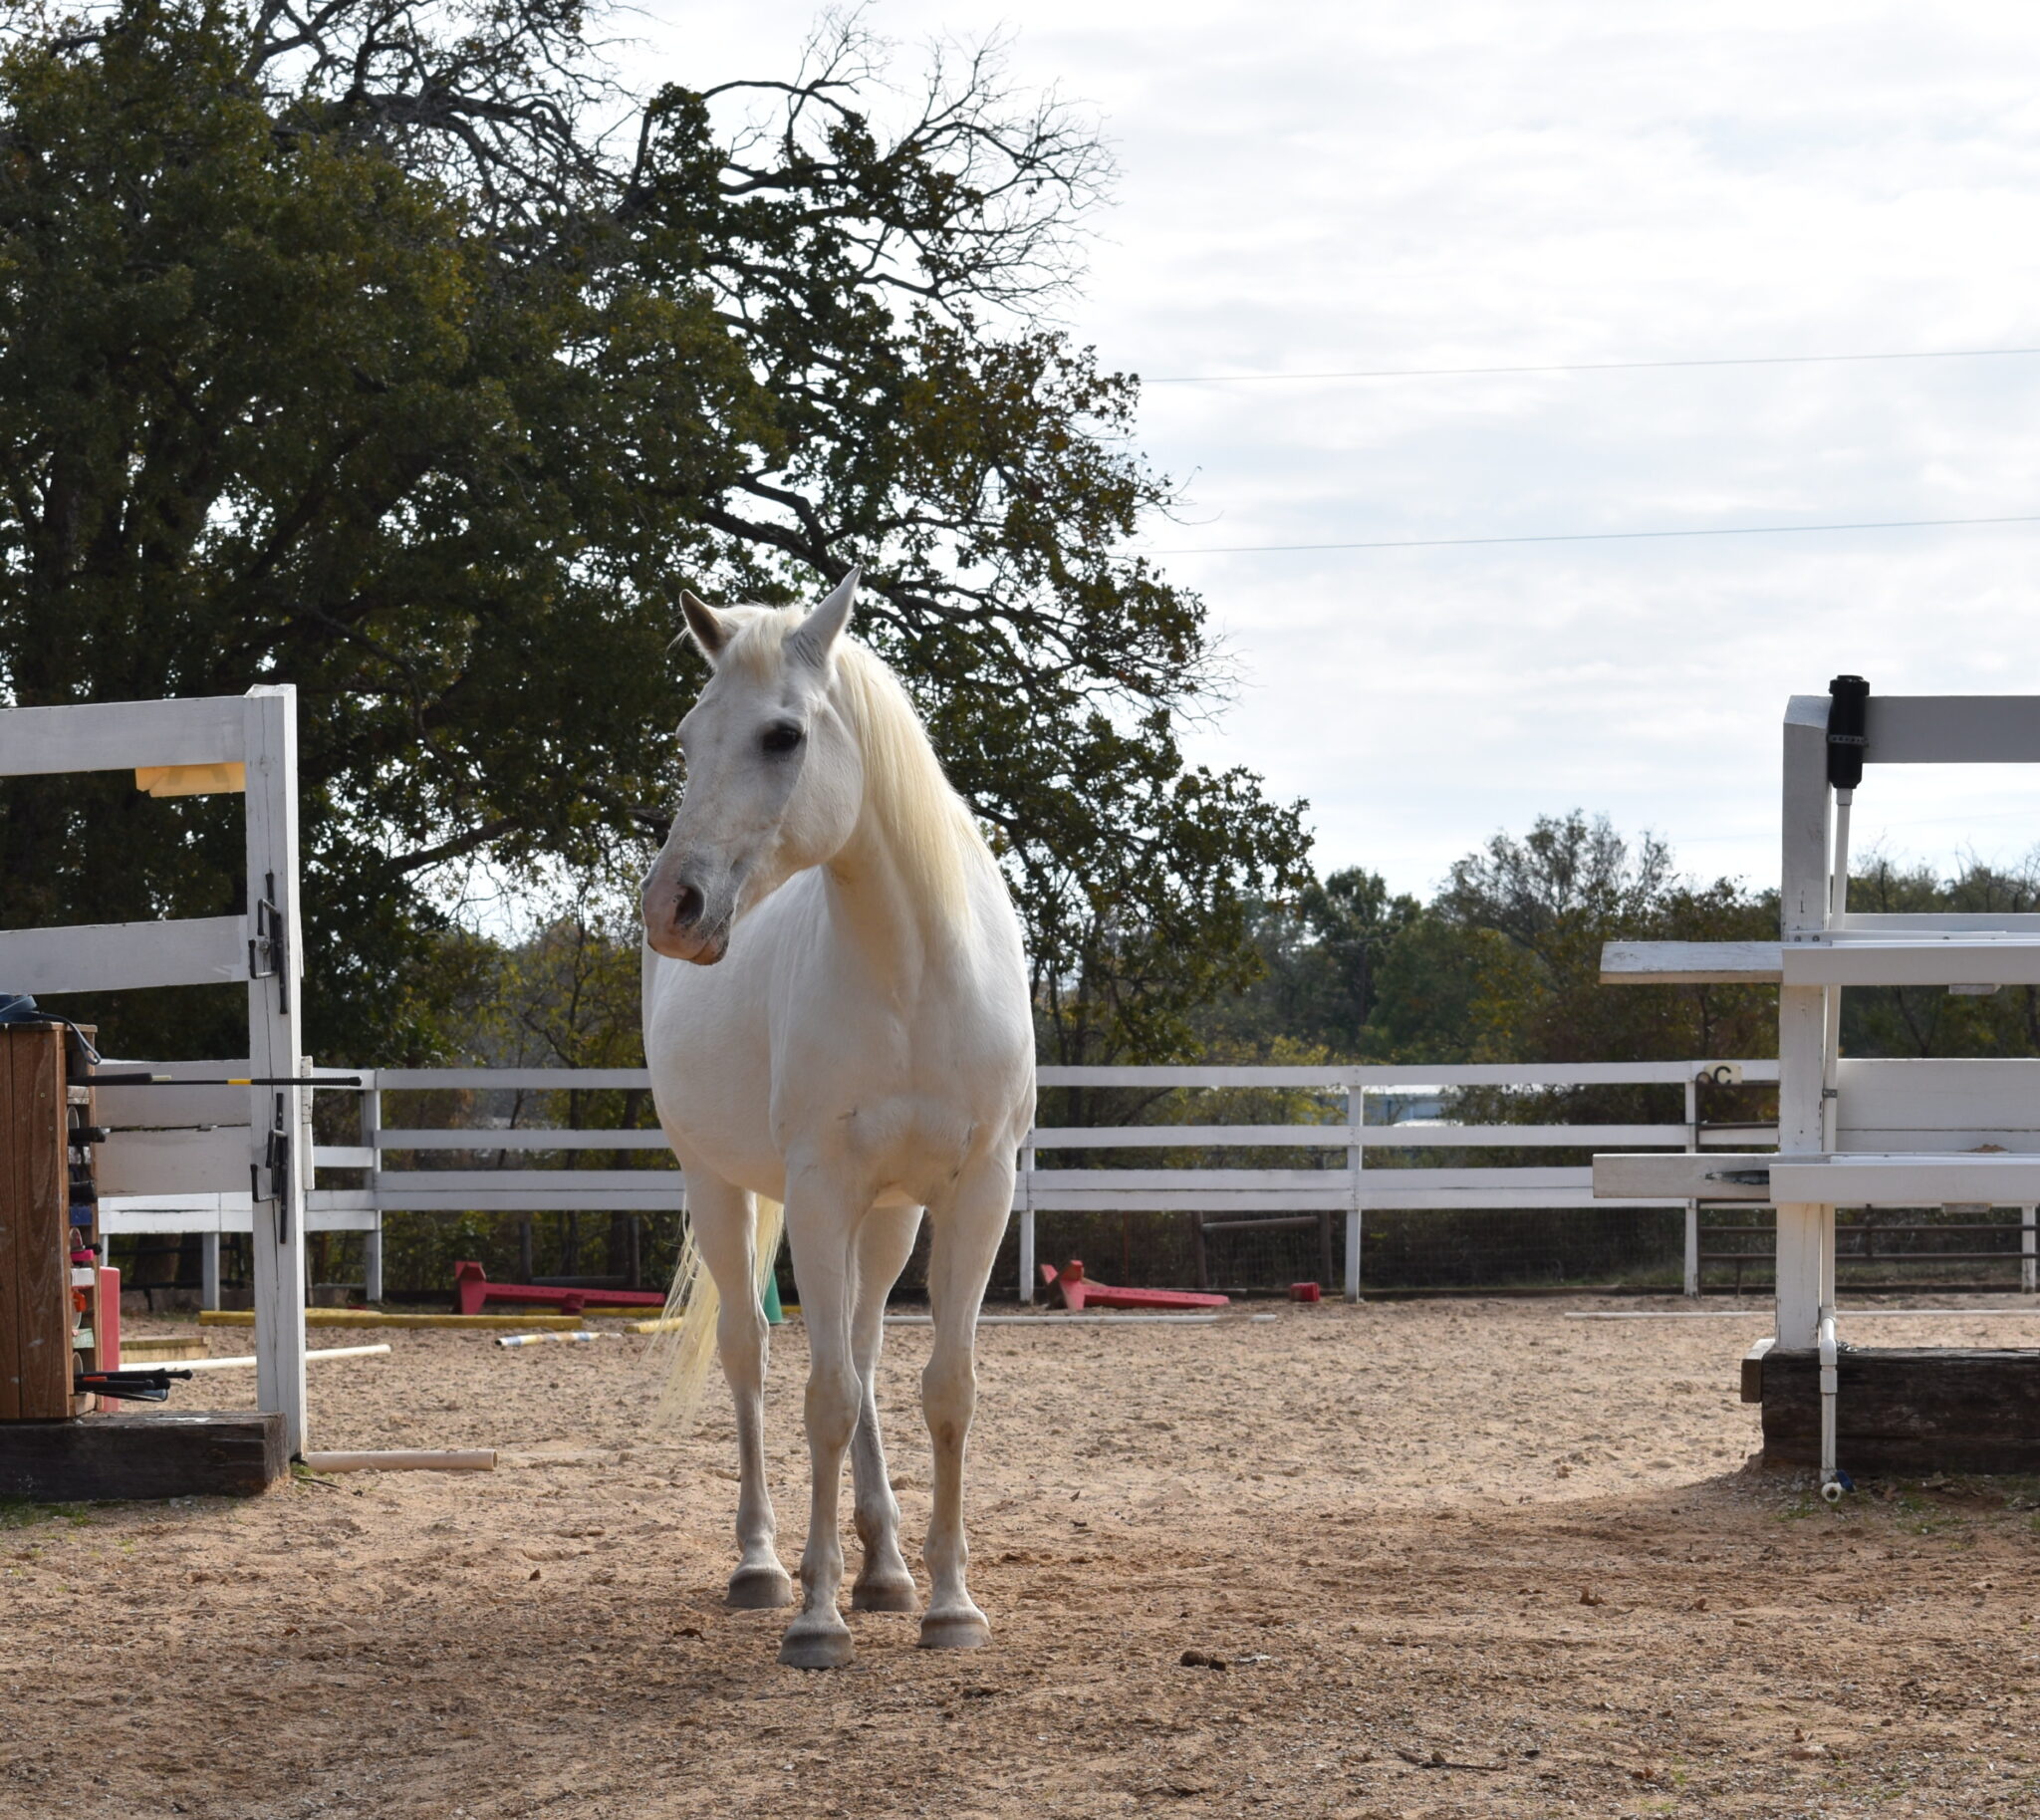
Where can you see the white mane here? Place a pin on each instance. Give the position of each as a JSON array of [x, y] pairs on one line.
[[927, 826]]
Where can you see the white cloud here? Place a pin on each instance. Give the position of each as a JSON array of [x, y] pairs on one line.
[[1313, 187]]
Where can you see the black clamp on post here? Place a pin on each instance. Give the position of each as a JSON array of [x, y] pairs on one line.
[[1847, 705], [276, 1158], [268, 951]]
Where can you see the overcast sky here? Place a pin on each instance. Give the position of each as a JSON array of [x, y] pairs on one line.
[[1453, 183]]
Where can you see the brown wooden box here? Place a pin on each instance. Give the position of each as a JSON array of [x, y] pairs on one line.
[[35, 1248], [1908, 1409]]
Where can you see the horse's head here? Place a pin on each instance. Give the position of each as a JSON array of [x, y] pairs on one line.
[[775, 779]]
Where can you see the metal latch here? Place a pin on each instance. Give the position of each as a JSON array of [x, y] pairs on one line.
[[268, 947], [276, 1158]]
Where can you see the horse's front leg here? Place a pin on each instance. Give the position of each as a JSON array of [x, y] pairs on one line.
[[722, 1220], [883, 1583], [820, 1222], [966, 1234]]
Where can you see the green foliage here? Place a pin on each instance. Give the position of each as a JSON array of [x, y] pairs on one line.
[[342, 351], [1504, 964], [1930, 1020]]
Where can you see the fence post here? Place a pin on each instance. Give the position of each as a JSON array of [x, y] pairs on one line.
[[1693, 1207], [2029, 1260], [1356, 1121], [208, 1270], [1027, 1219], [371, 1240]]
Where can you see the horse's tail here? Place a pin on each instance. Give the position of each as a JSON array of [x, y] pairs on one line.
[[686, 1347]]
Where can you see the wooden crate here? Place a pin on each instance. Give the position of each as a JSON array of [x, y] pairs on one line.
[[1907, 1410], [148, 1453], [36, 1354]]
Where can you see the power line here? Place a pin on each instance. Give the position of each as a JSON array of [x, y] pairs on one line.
[[1436, 373], [1598, 537]]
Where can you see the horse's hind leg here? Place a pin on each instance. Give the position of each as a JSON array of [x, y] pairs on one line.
[[883, 1583], [966, 1234], [722, 1221]]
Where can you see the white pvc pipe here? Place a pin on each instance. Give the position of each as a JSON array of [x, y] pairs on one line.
[[1077, 1320], [577, 1337], [407, 1460], [221, 1365], [1830, 1479]]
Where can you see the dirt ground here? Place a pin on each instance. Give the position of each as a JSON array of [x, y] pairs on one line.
[[1458, 1559]]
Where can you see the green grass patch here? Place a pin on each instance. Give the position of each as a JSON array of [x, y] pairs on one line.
[[25, 1513]]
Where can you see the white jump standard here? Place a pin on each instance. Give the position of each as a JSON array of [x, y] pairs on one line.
[[1870, 1132], [245, 744]]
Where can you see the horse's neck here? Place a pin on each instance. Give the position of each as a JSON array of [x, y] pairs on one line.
[[876, 900]]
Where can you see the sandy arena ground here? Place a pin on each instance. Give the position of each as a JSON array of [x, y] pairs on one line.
[[1459, 1559]]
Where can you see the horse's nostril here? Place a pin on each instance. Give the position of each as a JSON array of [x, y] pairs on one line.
[[687, 904]]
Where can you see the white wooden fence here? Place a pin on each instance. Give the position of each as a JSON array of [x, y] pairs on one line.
[[1354, 1104]]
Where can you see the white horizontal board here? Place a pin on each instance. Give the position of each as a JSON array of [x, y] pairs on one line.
[[1378, 1076], [1515, 1136], [515, 1200], [1914, 960], [1907, 1181], [173, 1161], [226, 1213], [1688, 963], [1061, 1180], [2025, 922], [551, 1078], [1188, 1201], [1190, 1137], [1340, 1136], [1952, 730], [122, 735], [1428, 1199], [1681, 1177], [121, 956], [343, 1156], [521, 1140], [174, 1105], [1952, 1103], [558, 1181]]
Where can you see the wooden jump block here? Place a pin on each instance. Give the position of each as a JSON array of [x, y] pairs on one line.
[[1907, 1410], [148, 1454], [472, 1288]]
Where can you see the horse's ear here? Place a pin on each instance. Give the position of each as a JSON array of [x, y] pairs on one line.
[[709, 632], [815, 636]]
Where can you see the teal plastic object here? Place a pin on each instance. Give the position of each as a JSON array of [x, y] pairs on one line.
[[773, 1312]]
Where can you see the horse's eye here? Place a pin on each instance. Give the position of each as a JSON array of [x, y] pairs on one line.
[[782, 737]]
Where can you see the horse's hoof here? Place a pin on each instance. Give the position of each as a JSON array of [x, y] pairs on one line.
[[885, 1593], [964, 1630], [815, 1646], [758, 1589]]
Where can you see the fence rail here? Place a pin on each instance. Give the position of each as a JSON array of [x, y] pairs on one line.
[[1371, 1160]]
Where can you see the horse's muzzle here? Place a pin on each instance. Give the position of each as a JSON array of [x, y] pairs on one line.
[[681, 923]]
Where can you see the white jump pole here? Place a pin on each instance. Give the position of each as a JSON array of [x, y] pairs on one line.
[[1027, 1220]]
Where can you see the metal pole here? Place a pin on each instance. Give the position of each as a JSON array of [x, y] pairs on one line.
[[1693, 1207], [2029, 1260], [1356, 1155], [371, 1240], [208, 1270]]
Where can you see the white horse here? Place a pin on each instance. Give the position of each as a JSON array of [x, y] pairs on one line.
[[837, 1018]]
